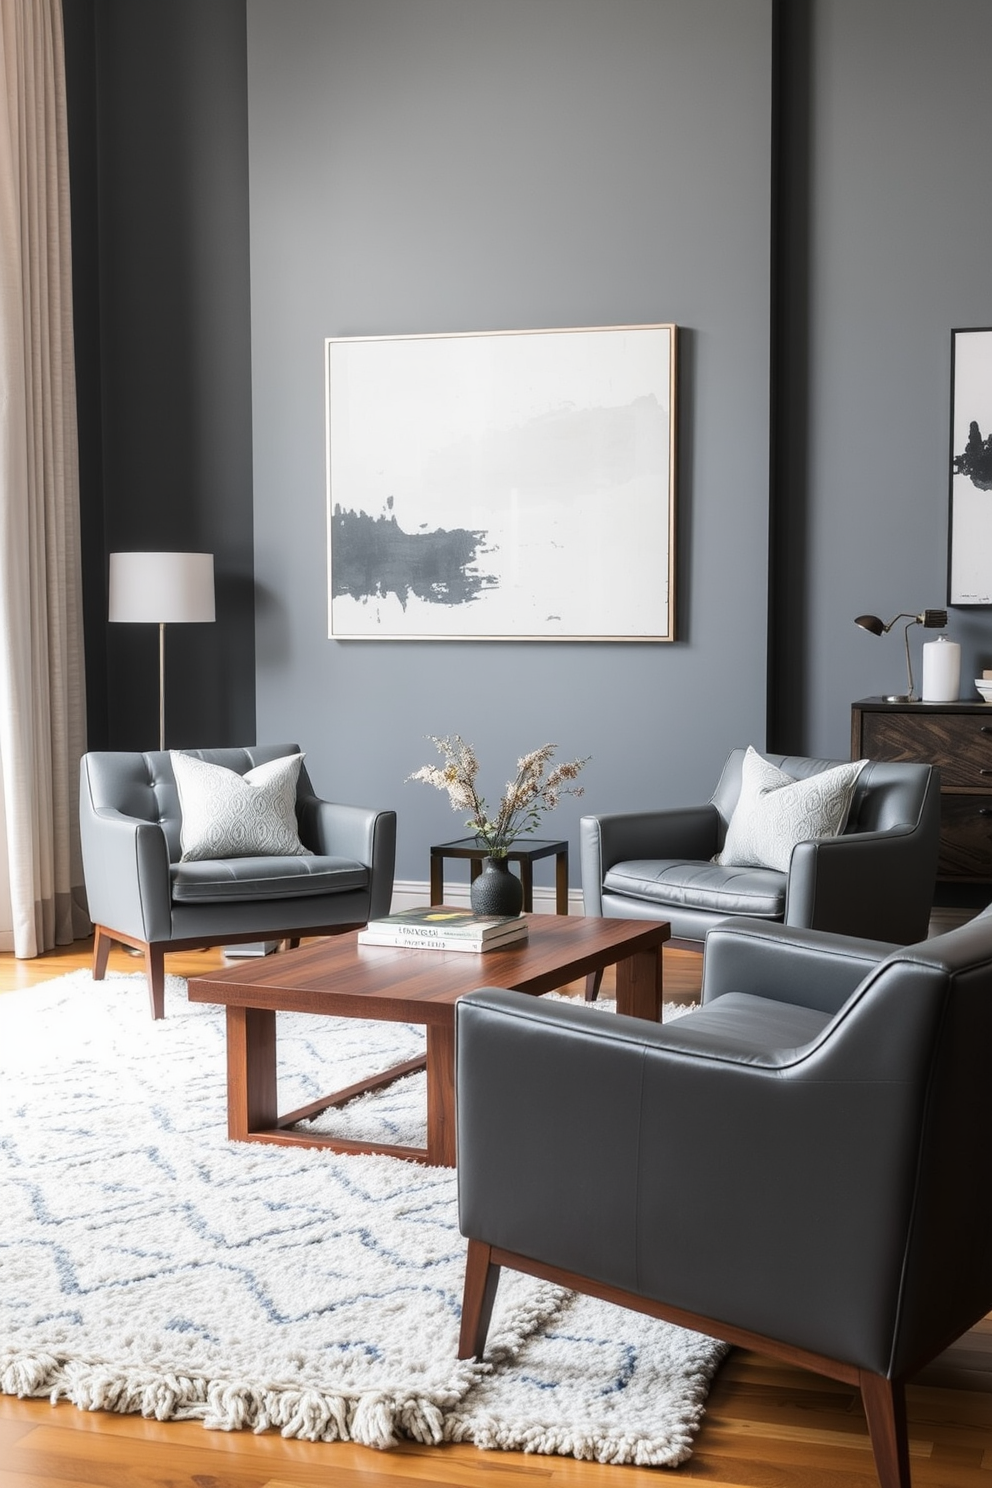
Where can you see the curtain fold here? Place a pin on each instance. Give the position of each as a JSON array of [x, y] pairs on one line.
[[42, 699]]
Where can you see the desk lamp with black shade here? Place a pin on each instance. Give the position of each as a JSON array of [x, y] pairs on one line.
[[929, 619]]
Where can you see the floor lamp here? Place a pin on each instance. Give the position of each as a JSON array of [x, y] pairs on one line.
[[162, 589]]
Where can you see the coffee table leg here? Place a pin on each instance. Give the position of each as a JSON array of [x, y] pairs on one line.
[[441, 1094], [639, 985], [251, 1072]]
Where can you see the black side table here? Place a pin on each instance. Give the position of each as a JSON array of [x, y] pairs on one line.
[[523, 852]]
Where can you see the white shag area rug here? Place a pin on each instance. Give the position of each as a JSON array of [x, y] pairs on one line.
[[149, 1265]]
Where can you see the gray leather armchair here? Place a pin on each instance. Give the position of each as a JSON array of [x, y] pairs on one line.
[[876, 879], [800, 1166], [139, 892]]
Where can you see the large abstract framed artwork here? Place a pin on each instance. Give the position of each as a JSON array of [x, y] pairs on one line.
[[970, 545], [512, 485]]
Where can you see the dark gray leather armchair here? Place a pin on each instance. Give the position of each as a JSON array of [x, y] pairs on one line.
[[140, 894], [801, 1166], [876, 879]]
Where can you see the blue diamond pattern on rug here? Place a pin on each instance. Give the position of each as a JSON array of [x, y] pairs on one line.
[[149, 1265]]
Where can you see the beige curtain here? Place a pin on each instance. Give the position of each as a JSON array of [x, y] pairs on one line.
[[42, 707]]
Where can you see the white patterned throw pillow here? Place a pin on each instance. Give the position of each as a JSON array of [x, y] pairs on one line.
[[775, 811], [227, 815]]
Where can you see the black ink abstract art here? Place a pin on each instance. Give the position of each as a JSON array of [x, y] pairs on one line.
[[970, 546], [975, 460], [374, 559]]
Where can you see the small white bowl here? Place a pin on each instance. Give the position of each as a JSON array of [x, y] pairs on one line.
[[984, 685]]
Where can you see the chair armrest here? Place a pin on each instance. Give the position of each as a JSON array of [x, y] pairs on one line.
[[722, 1186], [808, 967], [360, 833], [689, 832], [865, 883], [126, 865]]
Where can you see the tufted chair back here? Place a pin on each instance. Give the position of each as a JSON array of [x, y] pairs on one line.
[[144, 786]]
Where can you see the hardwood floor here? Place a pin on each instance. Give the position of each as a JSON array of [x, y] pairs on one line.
[[767, 1425]]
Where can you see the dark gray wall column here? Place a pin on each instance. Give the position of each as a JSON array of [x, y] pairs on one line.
[[160, 210], [900, 223]]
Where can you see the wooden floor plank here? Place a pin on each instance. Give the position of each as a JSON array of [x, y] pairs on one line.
[[758, 1473], [11, 1433], [806, 1432], [13, 1477]]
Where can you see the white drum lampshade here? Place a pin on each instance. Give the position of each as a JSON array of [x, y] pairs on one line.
[[162, 589]]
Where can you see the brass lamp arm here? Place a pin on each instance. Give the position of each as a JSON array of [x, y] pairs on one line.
[[913, 620], [910, 620]]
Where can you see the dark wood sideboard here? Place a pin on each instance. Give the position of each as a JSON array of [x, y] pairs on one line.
[[957, 737]]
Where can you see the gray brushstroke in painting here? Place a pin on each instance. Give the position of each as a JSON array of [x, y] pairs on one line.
[[373, 557]]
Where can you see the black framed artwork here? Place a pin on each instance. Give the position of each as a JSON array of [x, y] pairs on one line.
[[970, 500]]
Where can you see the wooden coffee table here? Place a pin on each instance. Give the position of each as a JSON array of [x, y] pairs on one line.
[[339, 978]]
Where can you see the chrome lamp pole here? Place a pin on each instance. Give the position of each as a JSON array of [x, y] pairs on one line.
[[162, 589]]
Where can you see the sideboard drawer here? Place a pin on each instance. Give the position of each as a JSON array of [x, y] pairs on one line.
[[965, 837], [959, 744], [957, 738]]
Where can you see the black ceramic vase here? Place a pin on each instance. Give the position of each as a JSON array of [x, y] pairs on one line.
[[496, 891]]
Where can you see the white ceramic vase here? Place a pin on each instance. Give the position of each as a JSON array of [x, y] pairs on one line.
[[941, 671]]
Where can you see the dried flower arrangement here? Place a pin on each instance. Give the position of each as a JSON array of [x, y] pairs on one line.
[[524, 801]]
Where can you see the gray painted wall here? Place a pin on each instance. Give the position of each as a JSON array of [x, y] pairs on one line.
[[421, 165], [432, 165], [901, 228]]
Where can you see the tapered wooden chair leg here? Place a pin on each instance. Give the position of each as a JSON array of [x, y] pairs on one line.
[[155, 972], [885, 1408], [102, 943], [481, 1281]]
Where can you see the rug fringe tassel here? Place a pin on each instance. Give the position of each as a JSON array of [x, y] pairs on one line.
[[376, 1419], [26, 1376]]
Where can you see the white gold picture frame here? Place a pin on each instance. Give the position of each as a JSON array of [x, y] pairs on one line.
[[507, 485]]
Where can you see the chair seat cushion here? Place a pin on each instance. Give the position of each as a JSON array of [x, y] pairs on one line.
[[758, 892], [228, 880], [746, 1029]]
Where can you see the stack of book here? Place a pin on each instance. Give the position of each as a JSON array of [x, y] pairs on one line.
[[436, 928]]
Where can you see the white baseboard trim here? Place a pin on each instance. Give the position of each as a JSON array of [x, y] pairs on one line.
[[943, 919], [409, 893]]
